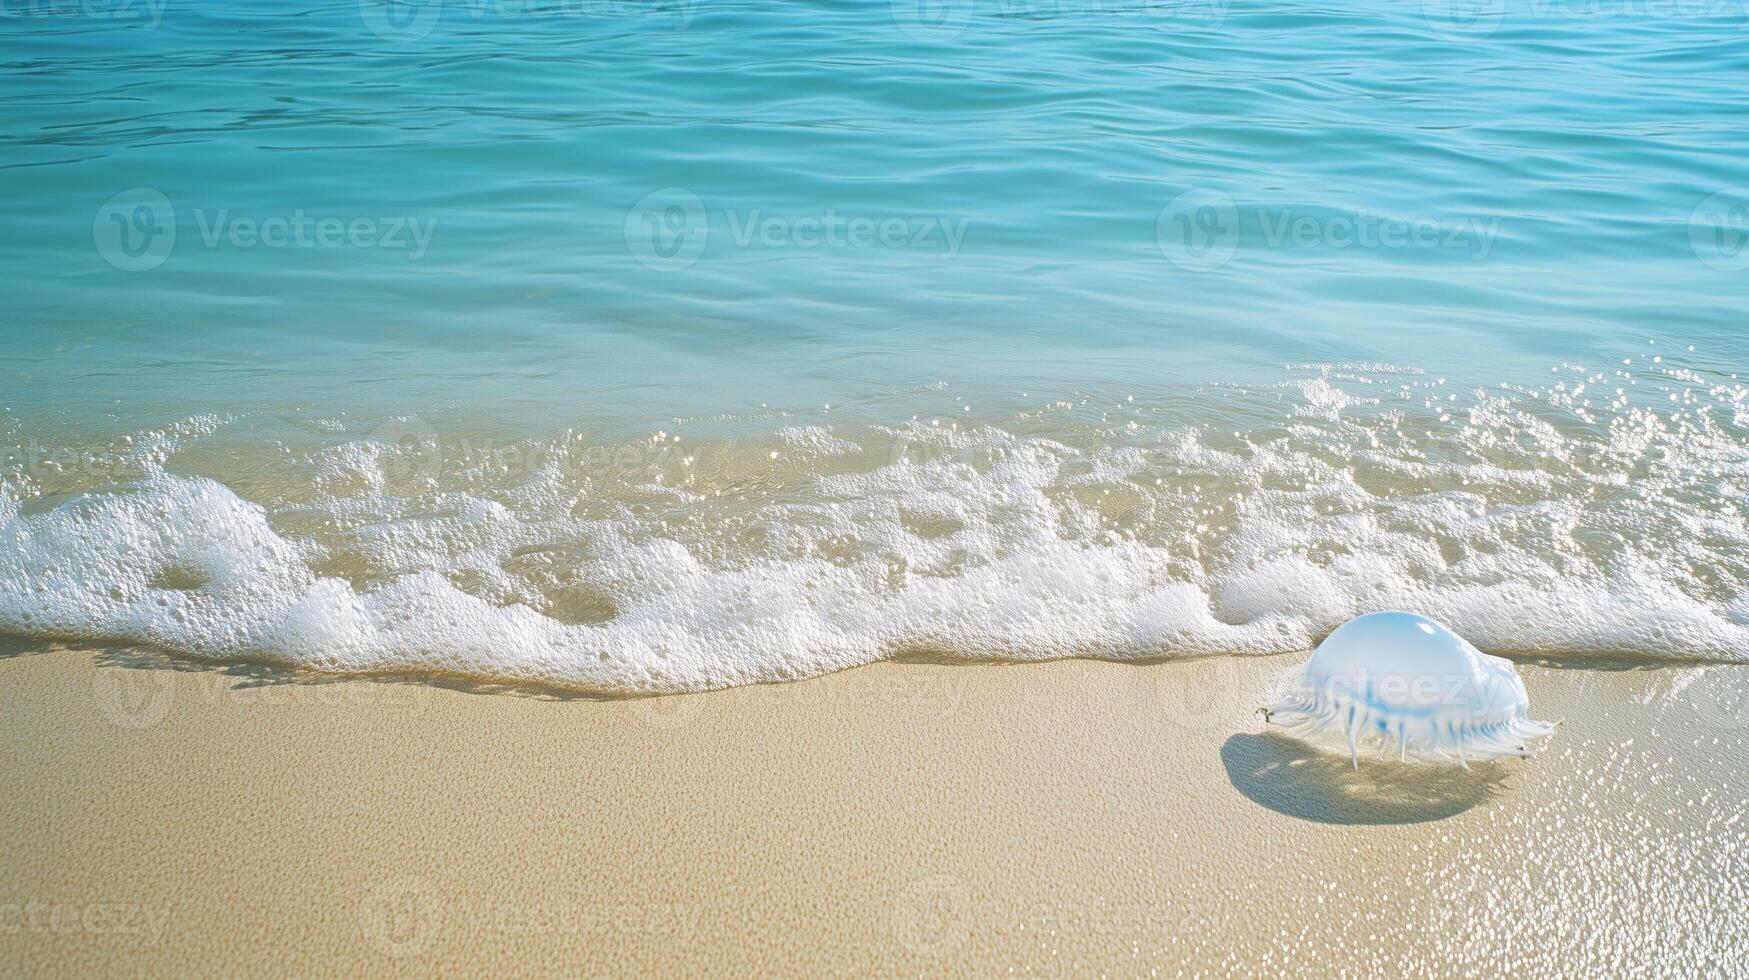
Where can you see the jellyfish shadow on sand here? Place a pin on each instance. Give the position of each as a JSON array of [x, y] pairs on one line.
[[1291, 777]]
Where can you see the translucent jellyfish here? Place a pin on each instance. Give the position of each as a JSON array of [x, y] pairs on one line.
[[1407, 681]]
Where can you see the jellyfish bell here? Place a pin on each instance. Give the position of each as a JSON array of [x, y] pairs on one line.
[[1409, 683]]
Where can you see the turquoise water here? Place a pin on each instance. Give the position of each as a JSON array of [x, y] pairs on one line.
[[645, 346]]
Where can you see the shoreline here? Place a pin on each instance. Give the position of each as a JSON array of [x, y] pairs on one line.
[[1059, 817], [285, 672]]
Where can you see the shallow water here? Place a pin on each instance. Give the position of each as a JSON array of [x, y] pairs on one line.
[[648, 347]]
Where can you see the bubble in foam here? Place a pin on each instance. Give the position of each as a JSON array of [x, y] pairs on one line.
[[1406, 681]]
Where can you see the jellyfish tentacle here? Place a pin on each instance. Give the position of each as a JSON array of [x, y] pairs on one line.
[[1354, 718]]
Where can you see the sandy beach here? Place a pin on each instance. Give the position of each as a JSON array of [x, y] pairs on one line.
[[1075, 817], [597, 488]]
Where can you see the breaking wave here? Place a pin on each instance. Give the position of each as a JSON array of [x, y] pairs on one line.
[[1600, 515]]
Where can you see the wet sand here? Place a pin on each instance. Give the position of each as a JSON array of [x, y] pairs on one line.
[[167, 817]]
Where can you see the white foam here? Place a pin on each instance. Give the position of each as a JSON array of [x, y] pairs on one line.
[[1524, 531]]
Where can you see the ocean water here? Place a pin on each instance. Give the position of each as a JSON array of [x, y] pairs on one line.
[[650, 347]]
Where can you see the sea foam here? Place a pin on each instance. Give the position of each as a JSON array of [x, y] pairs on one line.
[[1528, 521]]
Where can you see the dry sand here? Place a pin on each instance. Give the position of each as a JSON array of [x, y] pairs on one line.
[[1074, 817]]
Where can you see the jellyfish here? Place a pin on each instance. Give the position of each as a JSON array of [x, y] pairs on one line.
[[1409, 682]]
